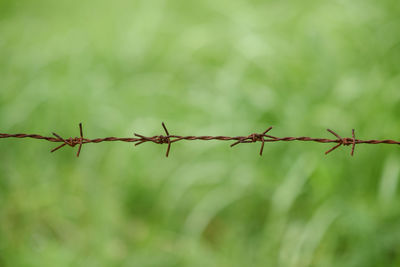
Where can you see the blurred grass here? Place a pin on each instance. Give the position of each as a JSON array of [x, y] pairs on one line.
[[203, 67]]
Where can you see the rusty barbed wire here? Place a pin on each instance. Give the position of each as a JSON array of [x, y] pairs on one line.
[[170, 139]]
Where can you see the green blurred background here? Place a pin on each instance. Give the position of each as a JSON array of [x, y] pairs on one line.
[[205, 68]]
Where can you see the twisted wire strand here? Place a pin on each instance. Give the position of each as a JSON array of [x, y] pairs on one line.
[[170, 139]]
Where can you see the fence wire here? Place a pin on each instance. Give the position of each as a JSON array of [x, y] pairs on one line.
[[169, 139]]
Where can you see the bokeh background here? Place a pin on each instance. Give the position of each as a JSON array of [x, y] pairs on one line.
[[205, 68]]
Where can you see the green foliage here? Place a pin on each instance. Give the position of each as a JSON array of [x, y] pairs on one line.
[[203, 67]]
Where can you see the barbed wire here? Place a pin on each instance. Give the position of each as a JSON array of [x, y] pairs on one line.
[[169, 139]]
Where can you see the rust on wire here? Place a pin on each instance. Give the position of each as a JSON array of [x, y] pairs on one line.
[[344, 142], [158, 139], [255, 137], [72, 142], [169, 139]]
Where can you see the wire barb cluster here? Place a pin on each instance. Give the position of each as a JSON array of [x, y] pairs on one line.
[[169, 139], [72, 142]]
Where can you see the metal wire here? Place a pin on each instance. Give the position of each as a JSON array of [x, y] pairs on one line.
[[170, 139]]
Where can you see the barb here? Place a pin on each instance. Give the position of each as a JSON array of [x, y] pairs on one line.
[[72, 142], [169, 139], [253, 138], [158, 139], [343, 142]]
